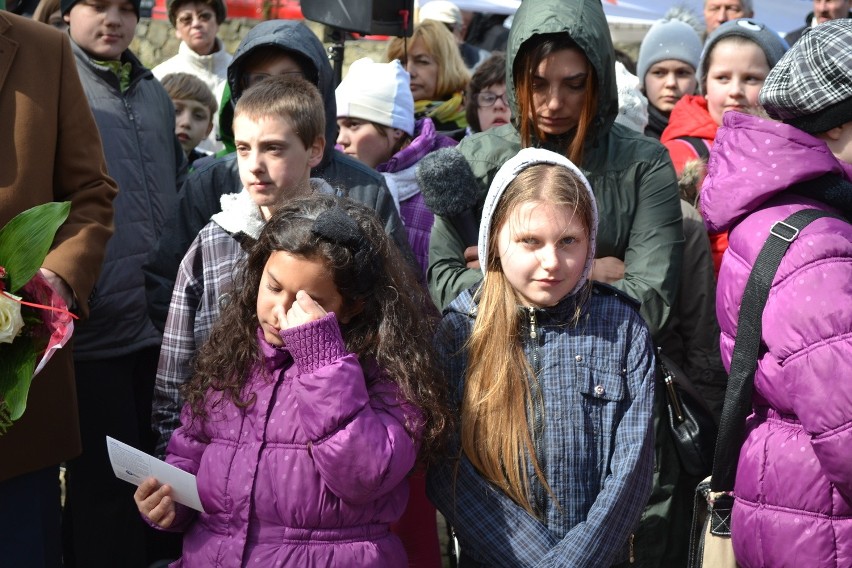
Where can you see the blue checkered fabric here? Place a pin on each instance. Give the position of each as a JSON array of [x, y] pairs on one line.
[[596, 445]]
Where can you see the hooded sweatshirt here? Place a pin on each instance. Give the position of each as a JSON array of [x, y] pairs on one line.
[[794, 476], [599, 372], [199, 198], [634, 184], [690, 118]]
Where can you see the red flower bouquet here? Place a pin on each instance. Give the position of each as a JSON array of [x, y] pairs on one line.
[[34, 320]]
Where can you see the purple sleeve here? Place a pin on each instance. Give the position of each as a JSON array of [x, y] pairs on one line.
[[359, 441]]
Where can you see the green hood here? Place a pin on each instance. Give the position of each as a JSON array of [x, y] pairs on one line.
[[584, 21]]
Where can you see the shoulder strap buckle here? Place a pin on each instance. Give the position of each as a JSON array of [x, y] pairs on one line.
[[788, 232]]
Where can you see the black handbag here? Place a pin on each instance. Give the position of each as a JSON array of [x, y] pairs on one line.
[[688, 418]]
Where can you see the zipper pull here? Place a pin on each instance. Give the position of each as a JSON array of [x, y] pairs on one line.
[[533, 333], [632, 556]]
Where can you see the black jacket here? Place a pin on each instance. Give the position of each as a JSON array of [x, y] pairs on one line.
[[199, 198]]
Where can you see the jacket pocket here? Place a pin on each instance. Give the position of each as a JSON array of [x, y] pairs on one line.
[[602, 392]]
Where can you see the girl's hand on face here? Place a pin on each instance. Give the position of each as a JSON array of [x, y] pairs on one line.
[[305, 309], [155, 502]]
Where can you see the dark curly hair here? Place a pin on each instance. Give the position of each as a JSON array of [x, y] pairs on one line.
[[394, 329]]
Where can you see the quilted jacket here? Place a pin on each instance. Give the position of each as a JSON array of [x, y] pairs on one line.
[[794, 477], [311, 473]]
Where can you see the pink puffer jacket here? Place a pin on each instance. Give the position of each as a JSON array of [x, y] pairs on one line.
[[794, 478], [311, 474]]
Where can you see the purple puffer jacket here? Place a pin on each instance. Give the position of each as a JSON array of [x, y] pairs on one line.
[[399, 173], [794, 478], [310, 474]]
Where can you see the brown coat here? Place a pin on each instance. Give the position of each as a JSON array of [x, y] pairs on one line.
[[50, 150]]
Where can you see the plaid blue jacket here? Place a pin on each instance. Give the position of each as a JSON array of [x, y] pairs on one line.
[[594, 438]]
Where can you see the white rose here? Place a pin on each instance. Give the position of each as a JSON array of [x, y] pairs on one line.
[[11, 322]]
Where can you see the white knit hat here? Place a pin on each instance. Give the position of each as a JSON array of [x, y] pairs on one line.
[[377, 92], [441, 11]]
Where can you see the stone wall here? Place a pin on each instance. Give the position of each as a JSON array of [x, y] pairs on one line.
[[155, 41]]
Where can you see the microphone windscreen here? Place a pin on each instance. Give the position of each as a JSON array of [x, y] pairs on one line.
[[448, 185]]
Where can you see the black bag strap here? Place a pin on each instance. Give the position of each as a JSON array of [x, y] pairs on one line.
[[698, 145], [747, 345]]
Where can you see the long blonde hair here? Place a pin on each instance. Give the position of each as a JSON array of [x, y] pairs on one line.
[[453, 76], [495, 433]]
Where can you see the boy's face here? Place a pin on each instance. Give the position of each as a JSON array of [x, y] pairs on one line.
[[103, 28], [193, 123], [196, 26], [274, 163], [282, 64]]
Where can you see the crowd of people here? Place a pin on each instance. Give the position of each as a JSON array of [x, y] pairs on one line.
[[440, 287]]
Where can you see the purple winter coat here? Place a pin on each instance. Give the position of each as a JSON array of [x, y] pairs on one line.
[[794, 477], [399, 173], [311, 474]]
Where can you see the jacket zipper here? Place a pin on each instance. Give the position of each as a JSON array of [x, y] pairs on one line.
[[537, 411]]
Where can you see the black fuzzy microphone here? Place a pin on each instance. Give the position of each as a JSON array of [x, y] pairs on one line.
[[449, 189]]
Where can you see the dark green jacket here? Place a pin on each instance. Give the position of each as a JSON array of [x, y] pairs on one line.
[[632, 177]]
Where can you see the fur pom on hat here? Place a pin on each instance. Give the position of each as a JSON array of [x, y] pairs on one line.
[[811, 87], [377, 92]]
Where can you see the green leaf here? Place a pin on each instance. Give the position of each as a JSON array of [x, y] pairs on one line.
[[17, 364], [26, 239]]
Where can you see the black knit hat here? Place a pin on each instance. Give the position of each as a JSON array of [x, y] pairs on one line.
[[811, 87], [218, 6], [66, 5]]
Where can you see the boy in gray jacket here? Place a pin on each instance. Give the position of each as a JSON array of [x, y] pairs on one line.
[[115, 351]]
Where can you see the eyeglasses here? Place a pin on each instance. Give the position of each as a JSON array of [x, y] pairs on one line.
[[487, 98], [252, 79], [186, 18]]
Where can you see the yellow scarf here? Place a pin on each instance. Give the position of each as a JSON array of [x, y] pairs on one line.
[[445, 112]]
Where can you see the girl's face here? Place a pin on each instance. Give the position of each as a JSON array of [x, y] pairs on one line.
[[559, 91], [364, 142], [424, 69], [666, 82], [735, 75], [273, 160], [542, 248], [283, 277], [103, 28], [496, 113]]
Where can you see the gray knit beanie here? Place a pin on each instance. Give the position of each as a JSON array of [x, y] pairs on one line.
[[811, 87], [768, 41], [668, 39]]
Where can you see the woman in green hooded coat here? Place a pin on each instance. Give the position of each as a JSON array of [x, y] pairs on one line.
[[562, 88]]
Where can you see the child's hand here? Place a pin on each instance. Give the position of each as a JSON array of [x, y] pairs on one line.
[[155, 502], [303, 310]]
